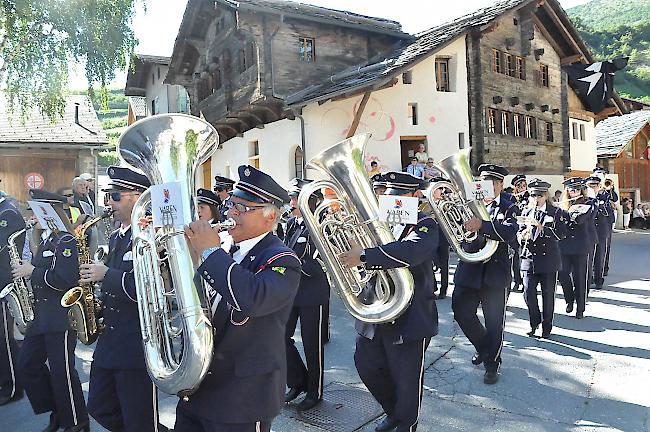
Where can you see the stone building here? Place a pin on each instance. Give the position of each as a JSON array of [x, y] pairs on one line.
[[40, 154], [238, 60]]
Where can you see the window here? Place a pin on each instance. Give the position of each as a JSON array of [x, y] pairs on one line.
[[582, 133], [183, 100], [461, 140], [521, 68], [492, 120], [574, 129], [496, 61], [442, 74], [298, 162], [413, 113], [216, 80], [516, 125], [531, 127], [549, 131], [254, 153], [242, 60], [407, 77], [250, 54], [306, 49], [505, 123], [158, 72], [510, 65], [153, 79], [155, 107], [543, 75]]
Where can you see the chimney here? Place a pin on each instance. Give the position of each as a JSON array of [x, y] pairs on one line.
[[76, 113]]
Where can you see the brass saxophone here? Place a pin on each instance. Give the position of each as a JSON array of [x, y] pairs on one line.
[[85, 309], [18, 293]]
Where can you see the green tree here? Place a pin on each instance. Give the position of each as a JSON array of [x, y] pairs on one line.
[[40, 38]]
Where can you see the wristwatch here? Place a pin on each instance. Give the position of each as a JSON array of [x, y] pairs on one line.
[[362, 257]]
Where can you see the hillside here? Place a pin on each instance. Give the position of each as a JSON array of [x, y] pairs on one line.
[[615, 28]]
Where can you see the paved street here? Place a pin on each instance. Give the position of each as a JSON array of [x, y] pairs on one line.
[[592, 375]]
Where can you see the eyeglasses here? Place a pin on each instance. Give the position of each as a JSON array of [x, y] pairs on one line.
[[117, 196], [573, 190], [536, 195], [241, 208], [68, 195], [218, 189]]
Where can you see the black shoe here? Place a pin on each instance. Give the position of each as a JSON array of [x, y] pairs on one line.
[[442, 295], [53, 426], [491, 377], [532, 331], [580, 315], [569, 308], [292, 394], [546, 334], [308, 403], [598, 286], [388, 424], [476, 359], [606, 273], [4, 400], [78, 428]]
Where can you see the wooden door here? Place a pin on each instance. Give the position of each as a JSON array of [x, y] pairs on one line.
[[57, 171]]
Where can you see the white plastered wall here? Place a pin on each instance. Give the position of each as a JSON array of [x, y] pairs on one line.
[[583, 153]]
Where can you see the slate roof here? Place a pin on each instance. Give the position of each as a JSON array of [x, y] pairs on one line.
[[614, 133], [138, 105], [424, 44], [318, 12], [38, 130]]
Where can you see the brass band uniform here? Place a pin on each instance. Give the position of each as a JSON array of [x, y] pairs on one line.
[[208, 204], [521, 196], [309, 306], [121, 396], [487, 283], [604, 221], [46, 363], [540, 255], [250, 299], [441, 257], [223, 188], [11, 222], [390, 357]]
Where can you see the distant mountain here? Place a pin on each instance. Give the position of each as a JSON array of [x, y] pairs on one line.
[[615, 28]]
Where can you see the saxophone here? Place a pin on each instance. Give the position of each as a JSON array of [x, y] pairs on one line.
[[85, 309], [18, 293]]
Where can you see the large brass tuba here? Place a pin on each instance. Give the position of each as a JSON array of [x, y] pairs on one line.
[[454, 209], [356, 219], [176, 332]]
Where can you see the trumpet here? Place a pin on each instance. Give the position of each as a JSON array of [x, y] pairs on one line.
[[608, 184]]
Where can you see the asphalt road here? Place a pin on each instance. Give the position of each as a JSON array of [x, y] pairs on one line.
[[592, 375]]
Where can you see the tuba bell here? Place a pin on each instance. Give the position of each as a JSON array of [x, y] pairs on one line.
[[454, 209], [176, 332], [355, 219]]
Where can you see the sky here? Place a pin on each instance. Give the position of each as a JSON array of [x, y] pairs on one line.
[[156, 28]]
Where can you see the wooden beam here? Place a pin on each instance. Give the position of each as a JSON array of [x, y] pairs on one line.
[[357, 115], [548, 36], [572, 59], [607, 112], [581, 113], [562, 27]]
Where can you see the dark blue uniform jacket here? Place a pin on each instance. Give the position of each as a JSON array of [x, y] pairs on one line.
[[542, 255], [578, 240], [10, 222]]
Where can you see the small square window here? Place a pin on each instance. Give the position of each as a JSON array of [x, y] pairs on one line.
[[413, 113], [407, 77], [549, 131], [307, 49], [442, 75]]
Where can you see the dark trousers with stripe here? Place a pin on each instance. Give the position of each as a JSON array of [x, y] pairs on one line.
[[443, 264], [573, 278], [547, 281], [609, 248], [602, 250], [56, 388], [590, 267], [187, 422], [123, 399], [9, 383], [393, 373], [516, 269], [310, 377], [487, 339]]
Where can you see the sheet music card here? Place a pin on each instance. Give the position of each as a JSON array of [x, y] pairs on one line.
[[167, 205], [396, 209], [47, 216]]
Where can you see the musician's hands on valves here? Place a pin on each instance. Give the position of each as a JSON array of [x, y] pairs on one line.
[[473, 224], [202, 236], [92, 272], [352, 258], [22, 270]]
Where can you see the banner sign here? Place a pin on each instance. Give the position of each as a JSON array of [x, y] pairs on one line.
[[397, 209]]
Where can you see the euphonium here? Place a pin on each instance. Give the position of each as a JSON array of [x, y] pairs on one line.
[[85, 309], [18, 293], [454, 209], [355, 220], [176, 332]]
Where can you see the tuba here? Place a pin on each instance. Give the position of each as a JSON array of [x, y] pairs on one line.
[[453, 210], [176, 332], [356, 219], [85, 309], [18, 293]]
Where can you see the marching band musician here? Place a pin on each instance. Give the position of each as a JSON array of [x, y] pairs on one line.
[[10, 222], [610, 197], [575, 247], [223, 187], [521, 196], [121, 396], [441, 258], [540, 255], [308, 305], [53, 271], [251, 298], [487, 282], [604, 222], [390, 357], [378, 184], [208, 204]]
